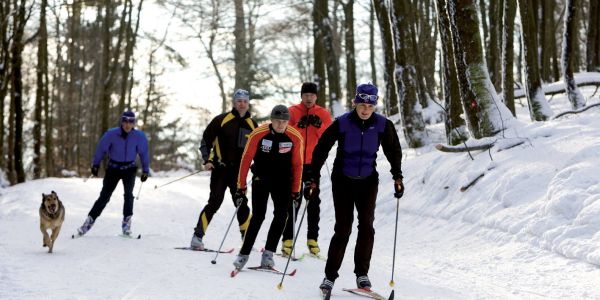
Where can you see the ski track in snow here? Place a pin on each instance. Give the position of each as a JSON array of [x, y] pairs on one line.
[[527, 229]]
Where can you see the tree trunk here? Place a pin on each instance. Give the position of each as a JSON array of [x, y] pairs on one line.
[[105, 73], [485, 113], [240, 54], [371, 45], [350, 52], [593, 38], [539, 110], [569, 63], [42, 90], [547, 39], [387, 44], [319, 50], [508, 89], [412, 119], [455, 125], [495, 43], [331, 60], [414, 49], [4, 65], [17, 88]]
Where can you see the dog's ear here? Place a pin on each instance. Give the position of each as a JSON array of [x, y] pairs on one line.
[[54, 193], [43, 196]]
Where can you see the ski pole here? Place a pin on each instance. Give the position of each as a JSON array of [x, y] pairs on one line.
[[395, 235], [87, 178], [214, 261], [294, 212], [280, 285], [139, 191], [180, 178]]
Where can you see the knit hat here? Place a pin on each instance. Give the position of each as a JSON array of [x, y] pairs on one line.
[[366, 93], [241, 94], [280, 112], [128, 116], [309, 87]]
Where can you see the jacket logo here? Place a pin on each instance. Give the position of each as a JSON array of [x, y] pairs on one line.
[[266, 145], [285, 147]]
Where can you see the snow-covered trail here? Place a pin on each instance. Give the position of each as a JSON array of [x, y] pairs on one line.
[[436, 259]]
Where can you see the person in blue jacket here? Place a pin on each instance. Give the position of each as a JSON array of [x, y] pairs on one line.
[[122, 145]]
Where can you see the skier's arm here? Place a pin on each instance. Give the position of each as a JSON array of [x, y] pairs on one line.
[[392, 150], [143, 153], [248, 155], [297, 158], [325, 119], [208, 137], [321, 151], [101, 149]]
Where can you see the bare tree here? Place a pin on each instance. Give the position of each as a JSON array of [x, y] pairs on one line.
[[350, 52], [4, 70], [42, 90], [319, 53], [508, 89], [569, 63], [372, 43], [17, 89], [593, 38], [539, 110], [387, 44], [240, 53]]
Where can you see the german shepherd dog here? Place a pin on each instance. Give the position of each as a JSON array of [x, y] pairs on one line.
[[52, 215]]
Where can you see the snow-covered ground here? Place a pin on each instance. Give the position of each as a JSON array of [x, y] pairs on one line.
[[528, 229]]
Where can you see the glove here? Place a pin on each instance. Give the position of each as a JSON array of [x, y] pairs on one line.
[[303, 122], [95, 171], [314, 120], [296, 198], [311, 189], [399, 188], [144, 177], [240, 196]]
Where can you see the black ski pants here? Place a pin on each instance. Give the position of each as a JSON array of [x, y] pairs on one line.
[[111, 179], [280, 191], [221, 178], [348, 193], [313, 210]]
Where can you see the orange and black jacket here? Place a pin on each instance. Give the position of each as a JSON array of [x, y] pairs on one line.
[[277, 156], [225, 137], [302, 118]]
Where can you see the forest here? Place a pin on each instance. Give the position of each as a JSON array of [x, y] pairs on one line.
[[68, 68]]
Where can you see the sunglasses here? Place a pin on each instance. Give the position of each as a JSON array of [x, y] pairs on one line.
[[367, 97], [128, 119]]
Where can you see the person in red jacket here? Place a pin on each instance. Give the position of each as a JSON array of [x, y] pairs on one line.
[[276, 150], [310, 120]]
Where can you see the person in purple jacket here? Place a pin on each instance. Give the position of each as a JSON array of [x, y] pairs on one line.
[[355, 180], [122, 145]]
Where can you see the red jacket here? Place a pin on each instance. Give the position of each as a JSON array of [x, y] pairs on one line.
[[276, 156], [311, 134]]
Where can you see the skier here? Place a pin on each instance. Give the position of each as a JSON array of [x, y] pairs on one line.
[[222, 145], [354, 179], [122, 144], [310, 120], [276, 149]]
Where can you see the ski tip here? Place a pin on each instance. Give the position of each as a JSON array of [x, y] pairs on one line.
[[234, 272], [293, 272], [391, 295], [230, 250]]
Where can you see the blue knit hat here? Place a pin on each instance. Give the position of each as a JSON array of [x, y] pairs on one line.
[[128, 116], [241, 94], [366, 93]]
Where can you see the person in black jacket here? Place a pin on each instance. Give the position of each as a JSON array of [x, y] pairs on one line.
[[222, 146], [355, 180]]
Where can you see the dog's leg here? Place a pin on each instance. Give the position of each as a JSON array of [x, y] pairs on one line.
[[46, 236], [55, 232]]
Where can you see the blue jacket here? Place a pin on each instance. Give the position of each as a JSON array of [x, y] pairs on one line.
[[123, 147]]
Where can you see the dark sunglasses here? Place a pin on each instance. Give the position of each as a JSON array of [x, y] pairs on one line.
[[367, 97]]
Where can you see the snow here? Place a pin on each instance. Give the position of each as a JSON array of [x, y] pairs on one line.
[[559, 86], [528, 229]]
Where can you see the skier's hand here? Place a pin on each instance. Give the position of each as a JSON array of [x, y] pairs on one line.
[[311, 189], [95, 171], [240, 196], [209, 166], [296, 198], [399, 188], [144, 177]]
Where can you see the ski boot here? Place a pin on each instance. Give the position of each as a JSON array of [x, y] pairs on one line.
[[267, 260], [240, 261], [196, 242], [126, 225], [286, 248], [87, 225], [363, 282], [313, 247]]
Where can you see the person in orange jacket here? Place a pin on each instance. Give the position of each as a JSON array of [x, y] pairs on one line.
[[276, 150], [310, 120]]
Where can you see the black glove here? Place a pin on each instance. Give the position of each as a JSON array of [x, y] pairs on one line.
[[296, 198], [314, 120], [399, 188], [95, 171], [240, 196], [311, 189], [144, 177], [303, 122]]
